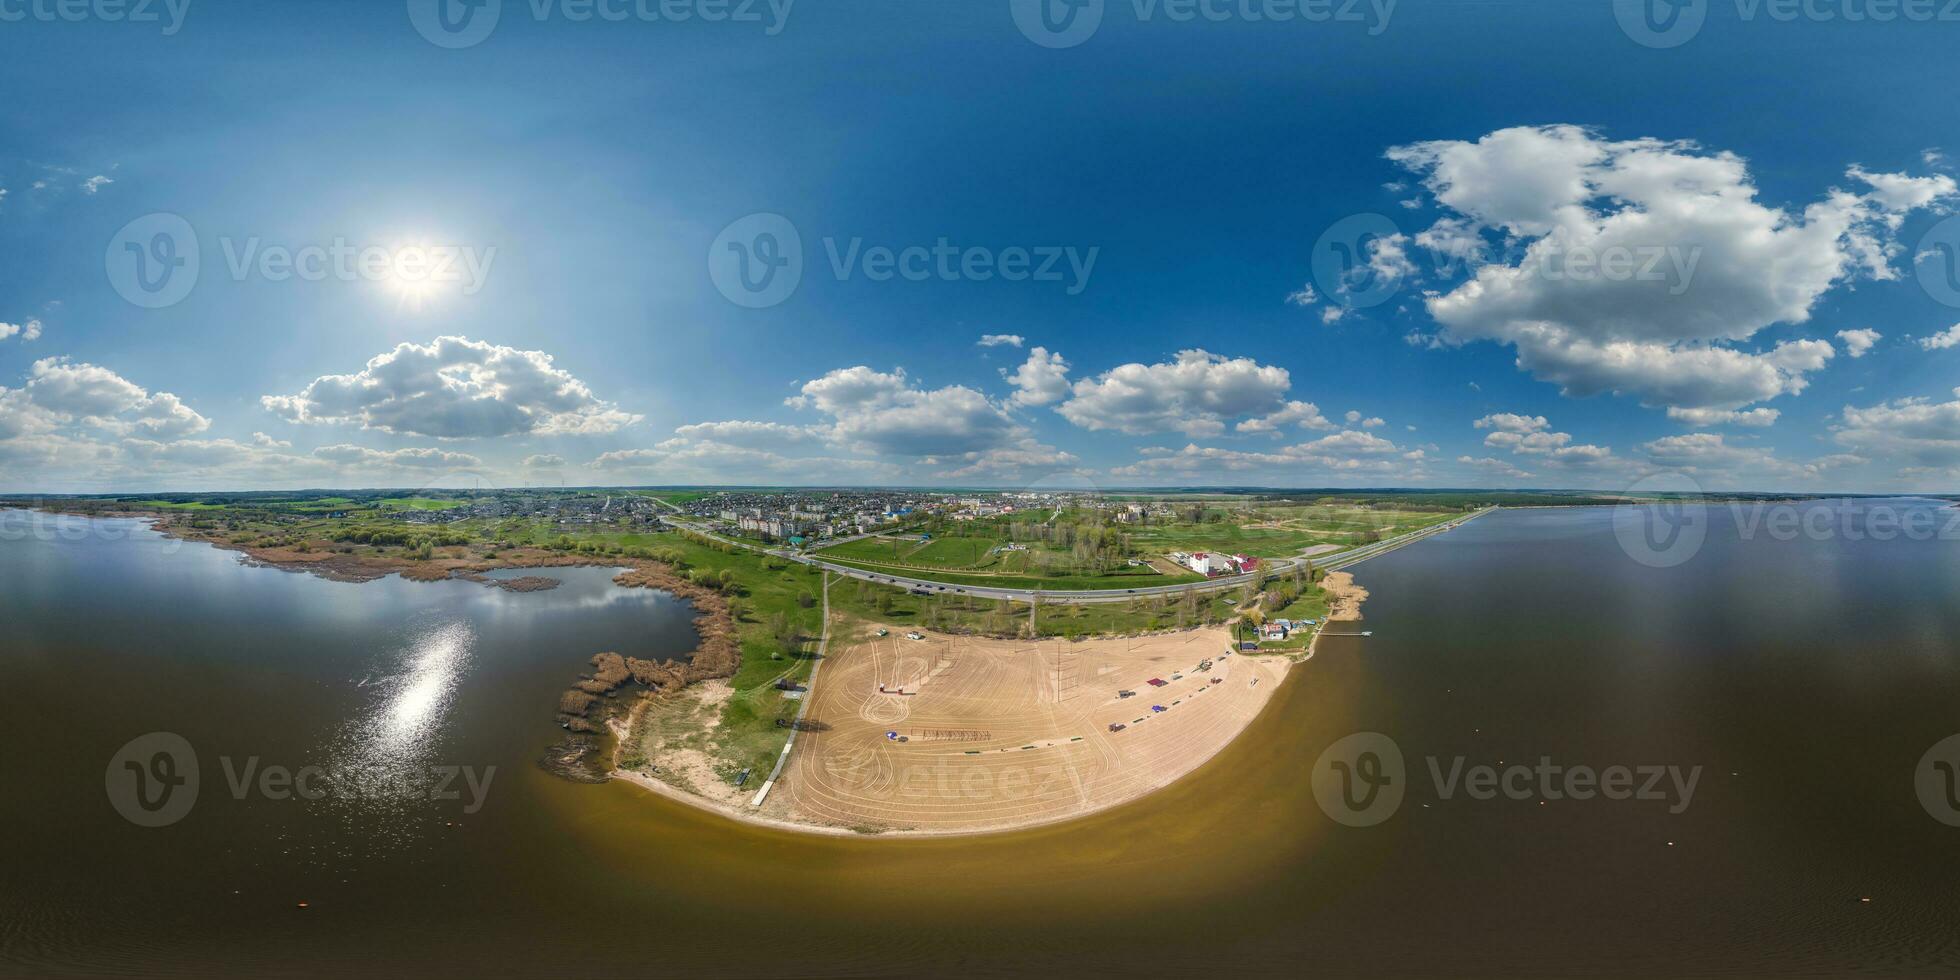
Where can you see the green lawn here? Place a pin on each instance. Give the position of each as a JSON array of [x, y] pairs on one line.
[[175, 505], [769, 592], [419, 503], [959, 613], [1123, 578]]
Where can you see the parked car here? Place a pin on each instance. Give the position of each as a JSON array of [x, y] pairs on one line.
[[1117, 727], [1158, 682], [1158, 707], [1126, 694]]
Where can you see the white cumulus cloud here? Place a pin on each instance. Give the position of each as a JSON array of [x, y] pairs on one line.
[[1704, 265], [455, 388], [1195, 394]]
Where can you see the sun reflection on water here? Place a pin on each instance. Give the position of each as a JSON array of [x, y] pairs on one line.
[[415, 705], [385, 759]]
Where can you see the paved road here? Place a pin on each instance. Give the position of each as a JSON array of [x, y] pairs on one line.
[[1277, 566]]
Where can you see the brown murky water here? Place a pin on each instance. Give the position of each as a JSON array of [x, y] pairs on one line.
[[1806, 678]]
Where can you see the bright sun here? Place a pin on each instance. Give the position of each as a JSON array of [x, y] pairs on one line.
[[416, 274]]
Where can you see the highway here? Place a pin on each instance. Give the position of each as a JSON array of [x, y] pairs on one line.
[[1277, 566]]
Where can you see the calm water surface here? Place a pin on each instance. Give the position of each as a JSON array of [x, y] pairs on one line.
[[1806, 676]]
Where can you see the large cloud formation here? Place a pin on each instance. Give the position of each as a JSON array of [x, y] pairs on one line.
[[70, 391], [1706, 266], [76, 425], [1194, 394], [876, 425], [1347, 453], [1532, 438], [455, 388], [882, 413], [1921, 433]]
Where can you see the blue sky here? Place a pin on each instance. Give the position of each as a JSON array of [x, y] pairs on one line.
[[1771, 185]]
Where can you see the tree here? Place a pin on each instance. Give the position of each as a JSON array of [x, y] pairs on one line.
[[783, 629]]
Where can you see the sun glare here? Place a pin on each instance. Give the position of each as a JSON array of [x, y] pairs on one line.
[[417, 274]]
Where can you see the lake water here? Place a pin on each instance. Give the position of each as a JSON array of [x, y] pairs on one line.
[[1805, 675]]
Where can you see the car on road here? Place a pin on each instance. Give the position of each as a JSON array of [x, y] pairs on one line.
[[1158, 707]]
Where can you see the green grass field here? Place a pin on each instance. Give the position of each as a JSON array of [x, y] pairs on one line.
[[967, 559], [1125, 578], [957, 613], [418, 503]]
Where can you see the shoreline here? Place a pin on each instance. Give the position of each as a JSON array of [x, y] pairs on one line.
[[1346, 599], [743, 814]]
